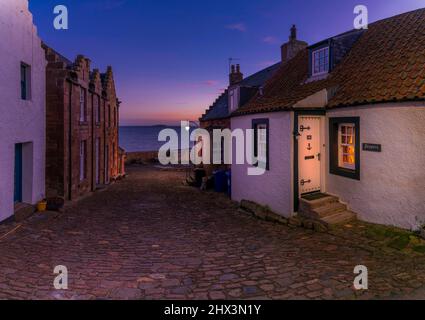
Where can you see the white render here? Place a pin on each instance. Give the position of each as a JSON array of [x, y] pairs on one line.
[[21, 121], [391, 189], [274, 187]]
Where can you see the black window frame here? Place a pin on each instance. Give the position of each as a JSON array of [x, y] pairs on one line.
[[255, 124], [335, 169], [25, 70]]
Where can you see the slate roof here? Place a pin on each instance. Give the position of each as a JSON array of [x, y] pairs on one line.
[[386, 64], [220, 110]]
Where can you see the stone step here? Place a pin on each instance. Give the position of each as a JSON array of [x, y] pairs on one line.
[[312, 204], [339, 218], [329, 209]]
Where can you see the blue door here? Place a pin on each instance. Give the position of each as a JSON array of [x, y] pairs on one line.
[[18, 173]]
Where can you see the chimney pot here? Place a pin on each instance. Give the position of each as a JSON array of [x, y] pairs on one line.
[[235, 76], [293, 35]]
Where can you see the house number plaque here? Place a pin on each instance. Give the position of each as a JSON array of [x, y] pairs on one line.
[[372, 147]]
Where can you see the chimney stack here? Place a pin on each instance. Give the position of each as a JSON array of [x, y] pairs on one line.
[[293, 46], [235, 75]]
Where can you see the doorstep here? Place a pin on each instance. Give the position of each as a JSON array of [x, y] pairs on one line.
[[325, 208]]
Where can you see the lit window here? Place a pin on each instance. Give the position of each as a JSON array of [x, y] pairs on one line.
[[83, 113], [344, 147], [320, 63], [25, 82], [347, 146]]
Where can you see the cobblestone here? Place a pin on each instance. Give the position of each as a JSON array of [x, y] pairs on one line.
[[151, 237]]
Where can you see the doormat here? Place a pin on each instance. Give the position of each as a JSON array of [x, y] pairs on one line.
[[314, 196]]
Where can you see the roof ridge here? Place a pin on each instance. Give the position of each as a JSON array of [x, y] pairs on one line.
[[262, 70], [384, 64]]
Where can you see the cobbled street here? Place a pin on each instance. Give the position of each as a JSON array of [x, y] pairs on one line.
[[151, 237]]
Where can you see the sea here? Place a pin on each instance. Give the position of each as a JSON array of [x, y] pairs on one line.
[[144, 138]]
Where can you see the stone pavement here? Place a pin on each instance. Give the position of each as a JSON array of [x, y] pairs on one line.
[[151, 237]]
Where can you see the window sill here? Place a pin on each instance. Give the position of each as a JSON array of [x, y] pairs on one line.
[[346, 173]]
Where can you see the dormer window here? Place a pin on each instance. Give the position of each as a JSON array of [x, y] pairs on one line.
[[320, 63]]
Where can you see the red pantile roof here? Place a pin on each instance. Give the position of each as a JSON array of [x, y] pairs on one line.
[[386, 64]]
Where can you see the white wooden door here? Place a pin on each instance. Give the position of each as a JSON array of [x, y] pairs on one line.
[[309, 154]]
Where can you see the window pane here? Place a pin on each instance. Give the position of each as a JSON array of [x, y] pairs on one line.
[[347, 146]]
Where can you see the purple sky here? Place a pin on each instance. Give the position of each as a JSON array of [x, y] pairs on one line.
[[171, 57]]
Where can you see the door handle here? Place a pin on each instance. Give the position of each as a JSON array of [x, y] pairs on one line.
[[302, 128], [303, 182]]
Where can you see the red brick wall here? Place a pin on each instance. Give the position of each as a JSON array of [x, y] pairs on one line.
[[65, 131]]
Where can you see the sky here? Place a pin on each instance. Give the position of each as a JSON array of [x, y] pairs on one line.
[[171, 58]]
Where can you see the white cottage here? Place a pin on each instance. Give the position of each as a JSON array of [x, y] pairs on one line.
[[345, 123], [22, 109]]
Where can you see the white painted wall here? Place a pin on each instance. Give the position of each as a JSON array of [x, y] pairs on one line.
[[274, 188], [20, 121], [392, 186]]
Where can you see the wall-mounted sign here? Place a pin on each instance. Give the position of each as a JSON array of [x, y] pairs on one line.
[[372, 147]]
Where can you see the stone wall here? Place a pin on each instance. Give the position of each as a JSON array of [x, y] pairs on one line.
[[66, 129], [141, 157]]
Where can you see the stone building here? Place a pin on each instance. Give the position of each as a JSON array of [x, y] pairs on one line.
[[22, 120], [82, 151]]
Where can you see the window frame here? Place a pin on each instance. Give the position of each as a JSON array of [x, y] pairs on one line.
[[335, 146], [83, 160], [255, 124], [25, 76], [83, 105], [97, 110], [313, 60], [109, 116], [347, 144]]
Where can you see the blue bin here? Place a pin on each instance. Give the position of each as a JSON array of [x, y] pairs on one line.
[[220, 181], [229, 183]]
